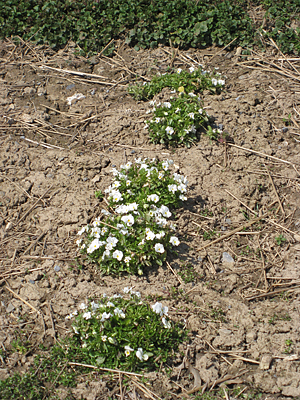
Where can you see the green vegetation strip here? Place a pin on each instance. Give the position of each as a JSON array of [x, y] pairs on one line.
[[144, 24]]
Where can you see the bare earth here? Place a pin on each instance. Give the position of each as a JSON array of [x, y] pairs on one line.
[[243, 315]]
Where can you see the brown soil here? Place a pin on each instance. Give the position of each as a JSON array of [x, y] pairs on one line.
[[243, 315]]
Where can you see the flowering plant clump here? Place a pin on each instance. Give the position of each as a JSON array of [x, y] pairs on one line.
[[195, 79], [138, 232], [127, 333], [178, 121]]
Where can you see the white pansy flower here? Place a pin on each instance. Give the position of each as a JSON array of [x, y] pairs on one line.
[[178, 70], [128, 182], [127, 259], [128, 349], [221, 82], [191, 94], [82, 230], [127, 289], [141, 355], [153, 197], [191, 69], [119, 312], [182, 197], [150, 235], [177, 110], [82, 306], [159, 309], [160, 175], [87, 315], [94, 306], [118, 255], [166, 323], [169, 130], [112, 240], [116, 184], [104, 338], [172, 188], [164, 210], [105, 316], [167, 104], [128, 219], [157, 120], [110, 304], [174, 241], [214, 81], [75, 330], [159, 248], [78, 242], [191, 115]]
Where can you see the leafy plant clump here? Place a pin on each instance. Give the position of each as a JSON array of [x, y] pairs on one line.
[[180, 120], [136, 233], [125, 333], [183, 81]]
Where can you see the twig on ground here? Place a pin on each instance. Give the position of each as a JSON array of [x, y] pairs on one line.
[[175, 273]]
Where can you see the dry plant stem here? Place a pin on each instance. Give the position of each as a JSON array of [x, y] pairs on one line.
[[144, 389], [14, 183], [175, 273], [219, 52], [241, 227], [262, 154], [249, 209], [115, 371], [67, 71], [274, 293], [273, 175], [24, 301], [121, 390], [52, 320], [35, 242], [275, 191], [61, 258], [31, 208]]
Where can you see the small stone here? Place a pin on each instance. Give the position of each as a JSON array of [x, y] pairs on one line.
[[31, 281], [224, 331], [132, 151], [61, 159], [227, 258], [223, 228], [57, 268], [29, 90], [265, 361], [85, 179], [96, 179], [199, 258], [69, 87], [10, 308], [228, 221], [285, 129]]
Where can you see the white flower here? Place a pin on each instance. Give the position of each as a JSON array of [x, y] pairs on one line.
[[159, 309], [118, 255], [214, 81], [169, 130], [150, 235], [112, 240], [164, 210], [179, 70], [160, 175], [166, 323], [191, 94], [116, 196], [87, 315], [105, 316], [127, 259], [82, 306], [142, 242], [160, 235], [174, 241], [152, 102], [111, 340], [110, 304], [141, 355], [94, 306], [153, 197], [128, 350], [159, 248], [191, 115], [128, 219], [75, 330], [104, 338], [82, 230], [84, 345], [182, 197], [127, 289], [172, 188], [221, 82], [177, 110], [78, 242], [191, 69], [103, 230], [119, 312], [200, 111], [157, 120], [116, 184]]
